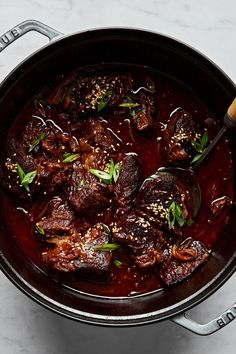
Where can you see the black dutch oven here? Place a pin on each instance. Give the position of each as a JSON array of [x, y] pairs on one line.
[[125, 46]]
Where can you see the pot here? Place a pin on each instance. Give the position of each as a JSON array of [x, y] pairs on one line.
[[125, 46]]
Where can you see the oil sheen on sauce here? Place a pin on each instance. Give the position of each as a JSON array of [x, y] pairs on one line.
[[215, 174]]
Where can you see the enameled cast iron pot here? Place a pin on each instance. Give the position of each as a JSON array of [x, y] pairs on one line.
[[125, 46]]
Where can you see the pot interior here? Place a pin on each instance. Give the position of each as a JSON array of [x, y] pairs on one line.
[[134, 47]]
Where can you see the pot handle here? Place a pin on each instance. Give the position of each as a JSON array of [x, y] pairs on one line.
[[25, 27], [205, 329]]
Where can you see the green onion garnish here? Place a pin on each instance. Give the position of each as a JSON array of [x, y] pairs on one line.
[[104, 100], [129, 104], [199, 146], [107, 177], [107, 247], [36, 142], [26, 178], [70, 158], [175, 213], [40, 230], [80, 184], [117, 263], [102, 175]]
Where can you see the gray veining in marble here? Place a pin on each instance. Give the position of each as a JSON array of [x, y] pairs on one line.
[[207, 25]]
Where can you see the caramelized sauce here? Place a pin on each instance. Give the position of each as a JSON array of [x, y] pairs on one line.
[[214, 177]]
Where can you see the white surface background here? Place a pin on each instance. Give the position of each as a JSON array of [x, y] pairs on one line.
[[207, 25]]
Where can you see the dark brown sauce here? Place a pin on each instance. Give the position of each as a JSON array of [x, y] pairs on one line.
[[216, 173]]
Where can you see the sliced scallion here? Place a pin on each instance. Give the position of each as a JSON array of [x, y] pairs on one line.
[[175, 213], [129, 104], [112, 174], [117, 263], [37, 142], [102, 175], [40, 230], [104, 100], [107, 247], [80, 184], [199, 145], [70, 158], [26, 178]]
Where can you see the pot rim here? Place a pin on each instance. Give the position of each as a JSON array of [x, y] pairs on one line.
[[63, 37], [109, 320]]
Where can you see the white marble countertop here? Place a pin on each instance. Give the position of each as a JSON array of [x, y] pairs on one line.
[[207, 25]]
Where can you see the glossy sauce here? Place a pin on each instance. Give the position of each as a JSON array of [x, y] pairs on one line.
[[215, 174]]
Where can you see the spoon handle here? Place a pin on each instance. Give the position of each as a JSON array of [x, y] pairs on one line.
[[229, 123], [232, 110], [210, 147], [230, 116]]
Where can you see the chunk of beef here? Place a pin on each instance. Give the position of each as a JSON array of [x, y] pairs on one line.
[[78, 252], [57, 144], [146, 230], [146, 242], [32, 132], [156, 195], [16, 155], [101, 135], [58, 219], [65, 84], [128, 183], [143, 114], [90, 94], [72, 242], [96, 143], [50, 176], [181, 131], [52, 141], [85, 192], [217, 205], [40, 149], [181, 260], [99, 142], [219, 202]]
